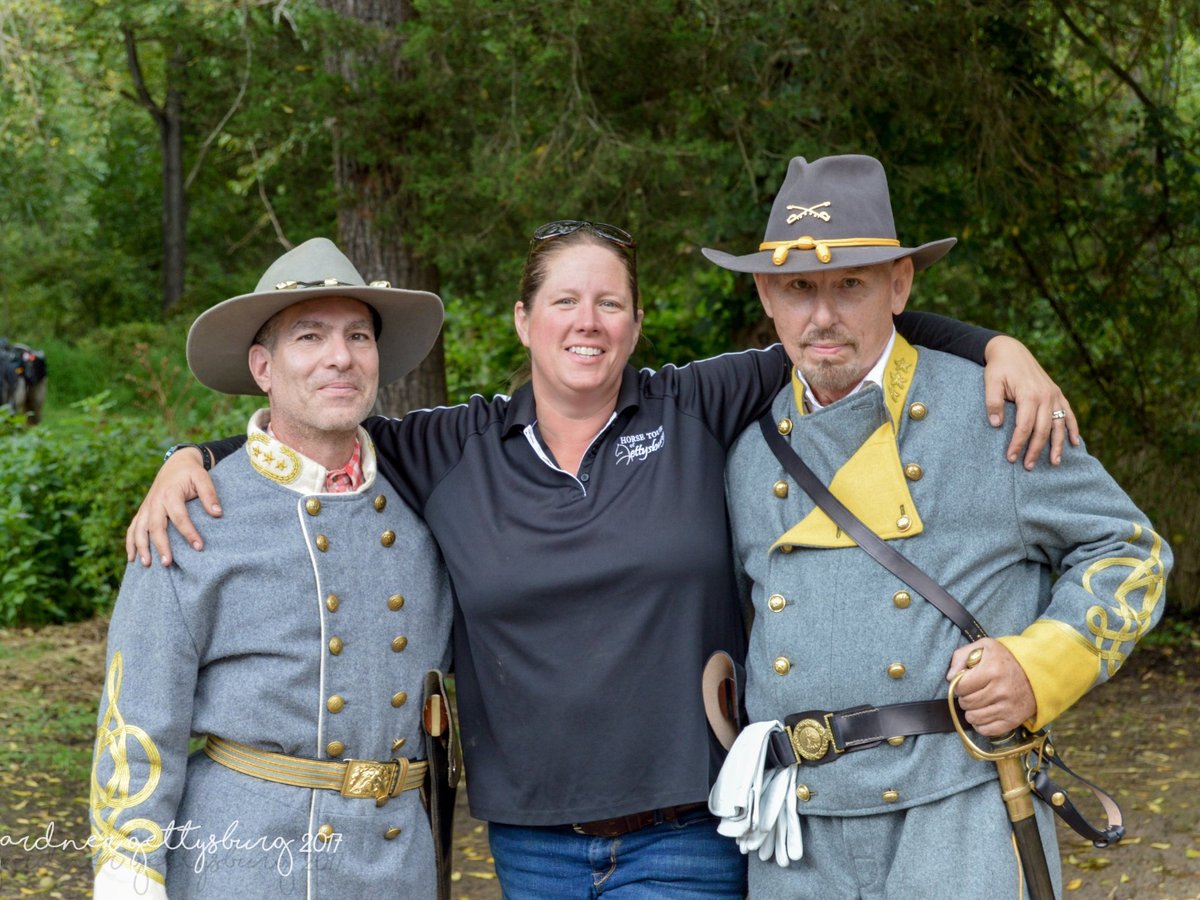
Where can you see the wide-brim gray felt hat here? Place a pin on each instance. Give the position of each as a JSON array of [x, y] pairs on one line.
[[832, 213], [218, 344]]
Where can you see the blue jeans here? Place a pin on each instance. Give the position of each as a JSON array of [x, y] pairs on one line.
[[685, 858]]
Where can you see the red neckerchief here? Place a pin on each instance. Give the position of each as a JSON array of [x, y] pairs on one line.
[[349, 477]]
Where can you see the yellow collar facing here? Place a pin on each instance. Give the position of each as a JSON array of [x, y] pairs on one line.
[[871, 483]]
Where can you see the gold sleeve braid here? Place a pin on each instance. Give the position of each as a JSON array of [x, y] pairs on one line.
[[120, 842], [1112, 644], [1064, 661]]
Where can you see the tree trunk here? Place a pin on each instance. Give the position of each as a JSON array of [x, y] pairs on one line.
[[169, 119], [373, 239], [174, 197]]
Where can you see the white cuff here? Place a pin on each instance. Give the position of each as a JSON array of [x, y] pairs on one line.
[[120, 882]]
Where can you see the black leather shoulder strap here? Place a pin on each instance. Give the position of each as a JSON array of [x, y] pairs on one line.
[[877, 548]]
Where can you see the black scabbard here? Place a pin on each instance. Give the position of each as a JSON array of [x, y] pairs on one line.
[[1033, 859], [445, 763], [1018, 802]]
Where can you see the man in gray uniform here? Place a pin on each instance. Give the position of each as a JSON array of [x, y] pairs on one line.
[[298, 646], [1056, 563]]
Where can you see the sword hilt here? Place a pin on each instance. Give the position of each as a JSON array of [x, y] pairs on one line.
[[1012, 745]]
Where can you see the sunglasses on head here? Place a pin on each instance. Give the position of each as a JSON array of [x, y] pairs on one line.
[[561, 227]]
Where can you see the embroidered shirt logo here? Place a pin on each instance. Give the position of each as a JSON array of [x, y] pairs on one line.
[[802, 211], [639, 446]]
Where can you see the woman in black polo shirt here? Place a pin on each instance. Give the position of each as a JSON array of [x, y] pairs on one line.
[[583, 524]]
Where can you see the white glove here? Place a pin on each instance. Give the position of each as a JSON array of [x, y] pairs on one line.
[[773, 798], [756, 807], [735, 794], [789, 845]]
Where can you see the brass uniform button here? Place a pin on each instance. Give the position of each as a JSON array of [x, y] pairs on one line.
[[332, 603], [335, 704], [913, 472], [389, 538], [803, 793], [380, 502], [395, 602], [891, 796], [312, 506], [917, 411], [783, 665], [902, 599], [391, 834], [904, 523], [398, 743], [399, 699], [780, 489], [322, 543], [776, 602], [896, 670], [785, 426], [335, 748], [325, 833], [896, 741], [399, 643], [336, 645]]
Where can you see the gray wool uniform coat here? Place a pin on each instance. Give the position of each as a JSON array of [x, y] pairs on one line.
[[305, 628], [1058, 560]]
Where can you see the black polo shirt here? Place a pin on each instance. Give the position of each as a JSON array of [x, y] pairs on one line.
[[588, 602]]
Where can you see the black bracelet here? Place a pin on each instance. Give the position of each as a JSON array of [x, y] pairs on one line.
[[205, 454]]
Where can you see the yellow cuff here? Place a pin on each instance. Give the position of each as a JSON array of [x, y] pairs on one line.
[[1060, 664]]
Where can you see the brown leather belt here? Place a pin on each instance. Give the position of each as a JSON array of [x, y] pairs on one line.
[[619, 825]]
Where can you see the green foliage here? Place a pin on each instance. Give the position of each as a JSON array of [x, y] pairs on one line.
[[81, 165], [65, 497], [699, 315], [482, 351], [72, 484], [1055, 138]]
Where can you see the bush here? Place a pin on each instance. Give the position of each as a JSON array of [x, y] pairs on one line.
[[70, 488], [142, 366], [67, 495]]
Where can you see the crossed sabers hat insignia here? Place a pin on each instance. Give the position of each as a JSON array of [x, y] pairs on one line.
[[808, 211]]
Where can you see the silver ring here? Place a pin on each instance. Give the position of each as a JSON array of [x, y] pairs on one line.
[[1059, 414]]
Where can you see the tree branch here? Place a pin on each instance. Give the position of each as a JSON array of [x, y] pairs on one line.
[[139, 82], [233, 106], [1109, 62], [266, 201], [1060, 312], [1153, 110]]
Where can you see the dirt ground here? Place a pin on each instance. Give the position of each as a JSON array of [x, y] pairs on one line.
[[1136, 737]]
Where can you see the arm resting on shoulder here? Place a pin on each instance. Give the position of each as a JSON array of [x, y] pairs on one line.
[[1010, 372], [181, 478]]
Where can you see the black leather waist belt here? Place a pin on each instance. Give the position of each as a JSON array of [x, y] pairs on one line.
[[816, 737]]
